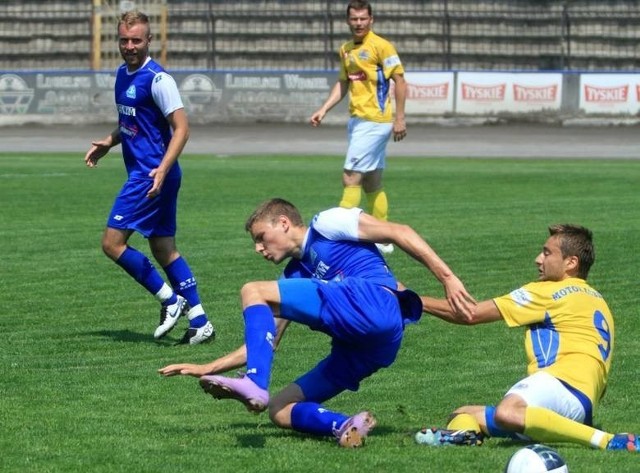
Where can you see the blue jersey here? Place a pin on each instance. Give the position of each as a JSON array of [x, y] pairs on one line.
[[342, 286], [332, 251], [144, 98]]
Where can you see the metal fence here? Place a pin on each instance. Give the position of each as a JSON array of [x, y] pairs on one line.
[[584, 35]]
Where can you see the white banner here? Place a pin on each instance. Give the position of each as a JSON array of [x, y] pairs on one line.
[[610, 93], [485, 93], [429, 93]]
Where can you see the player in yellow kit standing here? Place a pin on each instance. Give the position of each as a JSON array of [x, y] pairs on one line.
[[368, 64], [569, 344]]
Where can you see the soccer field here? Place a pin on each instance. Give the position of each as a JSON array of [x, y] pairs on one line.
[[80, 389]]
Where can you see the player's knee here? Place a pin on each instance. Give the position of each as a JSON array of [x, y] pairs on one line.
[[249, 291], [509, 418], [253, 293], [112, 251]]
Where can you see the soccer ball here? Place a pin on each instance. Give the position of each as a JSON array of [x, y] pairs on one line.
[[536, 459]]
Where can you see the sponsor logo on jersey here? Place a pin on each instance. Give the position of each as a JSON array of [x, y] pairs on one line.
[[321, 269], [130, 131], [126, 110], [565, 291], [357, 76]]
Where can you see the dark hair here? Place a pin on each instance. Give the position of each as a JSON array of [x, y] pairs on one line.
[[359, 5], [576, 241], [134, 17], [271, 209]]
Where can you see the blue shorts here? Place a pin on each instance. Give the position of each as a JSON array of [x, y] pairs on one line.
[[365, 324], [155, 217], [367, 145]]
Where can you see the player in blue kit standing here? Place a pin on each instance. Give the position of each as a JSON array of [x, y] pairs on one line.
[[153, 130], [336, 282]]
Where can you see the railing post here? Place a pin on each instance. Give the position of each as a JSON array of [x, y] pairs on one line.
[[566, 38], [96, 35], [211, 27], [328, 36], [164, 27], [446, 37]]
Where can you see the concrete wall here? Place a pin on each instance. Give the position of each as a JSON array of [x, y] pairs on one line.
[[241, 96]]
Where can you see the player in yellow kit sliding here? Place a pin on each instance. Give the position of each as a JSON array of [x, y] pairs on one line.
[[368, 64], [569, 342]]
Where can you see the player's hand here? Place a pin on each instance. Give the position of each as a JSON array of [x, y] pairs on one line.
[[185, 369], [98, 150], [158, 179], [462, 303], [399, 129], [316, 118]]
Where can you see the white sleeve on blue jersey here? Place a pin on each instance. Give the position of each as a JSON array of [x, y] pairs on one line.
[[338, 223], [165, 93]]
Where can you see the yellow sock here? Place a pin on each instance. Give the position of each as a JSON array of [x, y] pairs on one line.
[[464, 422], [378, 205], [544, 425], [351, 196]]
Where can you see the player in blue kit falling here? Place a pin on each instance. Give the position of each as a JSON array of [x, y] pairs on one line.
[[336, 282], [152, 129]]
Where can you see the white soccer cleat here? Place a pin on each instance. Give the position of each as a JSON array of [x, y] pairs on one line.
[[194, 336], [169, 316]]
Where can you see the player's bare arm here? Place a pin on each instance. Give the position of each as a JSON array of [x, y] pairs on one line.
[[180, 126], [405, 237], [101, 147], [483, 312], [399, 123], [234, 360], [335, 96]]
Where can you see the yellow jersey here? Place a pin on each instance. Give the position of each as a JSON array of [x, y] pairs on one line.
[[368, 67], [570, 332]]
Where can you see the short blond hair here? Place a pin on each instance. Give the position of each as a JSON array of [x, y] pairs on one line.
[[270, 210], [134, 17]]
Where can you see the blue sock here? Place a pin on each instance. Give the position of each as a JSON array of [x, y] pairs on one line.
[[259, 335], [183, 281], [492, 427], [312, 418], [140, 268], [185, 284]]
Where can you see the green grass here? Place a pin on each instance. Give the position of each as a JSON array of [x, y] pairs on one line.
[[79, 389]]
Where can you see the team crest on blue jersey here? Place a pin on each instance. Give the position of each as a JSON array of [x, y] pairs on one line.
[[521, 297], [131, 92]]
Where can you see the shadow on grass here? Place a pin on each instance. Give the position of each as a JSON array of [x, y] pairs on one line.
[[131, 337], [258, 440]]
